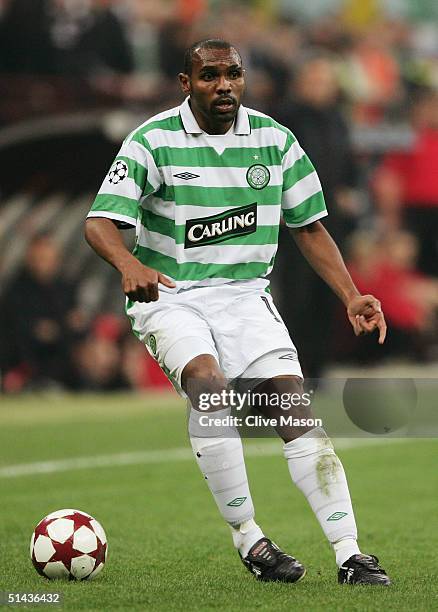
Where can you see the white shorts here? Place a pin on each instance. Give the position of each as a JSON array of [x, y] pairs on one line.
[[238, 324]]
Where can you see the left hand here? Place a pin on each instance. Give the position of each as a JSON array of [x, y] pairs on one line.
[[365, 315]]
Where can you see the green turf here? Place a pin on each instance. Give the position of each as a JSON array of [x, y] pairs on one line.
[[168, 548]]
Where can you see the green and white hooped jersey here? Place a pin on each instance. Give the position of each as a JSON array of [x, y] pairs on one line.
[[207, 208]]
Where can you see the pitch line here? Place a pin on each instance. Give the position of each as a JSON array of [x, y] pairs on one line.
[[155, 456]]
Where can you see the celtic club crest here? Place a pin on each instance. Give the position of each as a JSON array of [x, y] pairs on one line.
[[258, 176], [153, 344]]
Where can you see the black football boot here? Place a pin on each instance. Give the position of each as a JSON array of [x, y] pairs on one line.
[[268, 563]]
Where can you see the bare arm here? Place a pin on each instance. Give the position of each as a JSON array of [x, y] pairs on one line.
[[139, 282], [320, 250]]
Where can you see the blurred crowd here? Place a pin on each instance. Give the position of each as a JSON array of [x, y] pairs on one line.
[[357, 83], [49, 340], [89, 51]]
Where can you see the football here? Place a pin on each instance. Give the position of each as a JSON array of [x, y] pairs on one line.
[[68, 544]]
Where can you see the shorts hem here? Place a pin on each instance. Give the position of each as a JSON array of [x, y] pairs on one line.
[[176, 369]]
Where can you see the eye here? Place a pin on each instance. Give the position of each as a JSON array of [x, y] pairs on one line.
[[208, 76], [235, 74]]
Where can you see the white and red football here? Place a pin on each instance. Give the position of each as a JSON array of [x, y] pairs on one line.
[[68, 544]]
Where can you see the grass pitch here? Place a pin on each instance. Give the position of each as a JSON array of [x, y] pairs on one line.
[[168, 547]]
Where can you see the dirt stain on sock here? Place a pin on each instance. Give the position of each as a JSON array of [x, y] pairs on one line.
[[328, 468]]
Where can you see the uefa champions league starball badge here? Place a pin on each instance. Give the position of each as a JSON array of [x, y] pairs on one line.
[[118, 172]]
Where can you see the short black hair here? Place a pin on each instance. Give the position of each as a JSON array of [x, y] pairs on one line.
[[207, 43]]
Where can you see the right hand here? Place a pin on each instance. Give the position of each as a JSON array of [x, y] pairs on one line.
[[140, 283]]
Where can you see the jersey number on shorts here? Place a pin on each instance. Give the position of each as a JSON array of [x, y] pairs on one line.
[[269, 307]]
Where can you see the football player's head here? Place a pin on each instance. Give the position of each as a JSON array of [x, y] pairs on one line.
[[214, 79]]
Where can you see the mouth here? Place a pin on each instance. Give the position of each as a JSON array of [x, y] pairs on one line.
[[225, 105]]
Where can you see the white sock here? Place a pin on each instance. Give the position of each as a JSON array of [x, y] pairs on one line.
[[245, 536], [344, 549], [220, 459], [318, 473]]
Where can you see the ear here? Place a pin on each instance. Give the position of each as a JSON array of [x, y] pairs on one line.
[[184, 81]]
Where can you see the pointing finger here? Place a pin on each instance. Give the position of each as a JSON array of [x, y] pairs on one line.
[[381, 324], [165, 281]]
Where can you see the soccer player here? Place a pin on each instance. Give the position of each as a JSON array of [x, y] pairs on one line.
[[205, 185]]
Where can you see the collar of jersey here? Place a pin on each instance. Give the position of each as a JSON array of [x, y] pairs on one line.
[[241, 125]]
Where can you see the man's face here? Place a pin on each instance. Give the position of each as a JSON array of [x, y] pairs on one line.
[[43, 259], [317, 83], [215, 87]]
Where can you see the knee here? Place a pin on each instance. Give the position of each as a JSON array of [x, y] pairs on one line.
[[282, 388], [293, 383], [202, 375]]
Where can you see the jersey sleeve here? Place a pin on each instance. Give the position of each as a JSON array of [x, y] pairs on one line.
[[132, 176], [302, 200]]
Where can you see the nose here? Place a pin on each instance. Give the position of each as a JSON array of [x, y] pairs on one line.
[[223, 85]]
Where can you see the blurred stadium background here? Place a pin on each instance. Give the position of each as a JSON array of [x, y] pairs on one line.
[[355, 80]]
